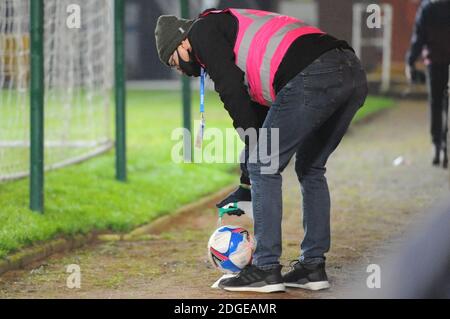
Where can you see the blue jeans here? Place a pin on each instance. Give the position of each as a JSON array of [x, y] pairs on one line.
[[312, 113]]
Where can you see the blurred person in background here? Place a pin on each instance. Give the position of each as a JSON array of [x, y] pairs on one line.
[[431, 39]]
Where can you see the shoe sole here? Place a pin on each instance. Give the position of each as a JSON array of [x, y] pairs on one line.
[[316, 285], [264, 289]]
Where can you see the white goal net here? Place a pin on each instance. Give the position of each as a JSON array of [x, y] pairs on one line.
[[78, 67]]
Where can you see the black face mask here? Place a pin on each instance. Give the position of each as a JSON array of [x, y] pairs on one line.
[[190, 68]]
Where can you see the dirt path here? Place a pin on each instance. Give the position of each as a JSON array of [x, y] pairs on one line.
[[373, 202]]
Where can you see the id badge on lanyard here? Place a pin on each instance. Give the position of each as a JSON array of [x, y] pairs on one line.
[[199, 139]]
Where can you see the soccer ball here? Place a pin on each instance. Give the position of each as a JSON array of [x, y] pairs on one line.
[[230, 248]]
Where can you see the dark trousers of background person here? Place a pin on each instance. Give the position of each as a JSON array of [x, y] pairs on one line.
[[438, 75]]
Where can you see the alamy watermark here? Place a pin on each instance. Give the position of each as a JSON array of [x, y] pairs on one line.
[[74, 279], [374, 19], [221, 146], [73, 20], [374, 279]]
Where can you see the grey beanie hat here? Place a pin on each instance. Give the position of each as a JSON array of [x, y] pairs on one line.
[[169, 33]]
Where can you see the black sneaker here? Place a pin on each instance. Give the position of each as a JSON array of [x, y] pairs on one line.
[[254, 279], [311, 277]]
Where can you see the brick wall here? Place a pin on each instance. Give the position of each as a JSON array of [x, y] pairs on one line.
[[335, 17], [404, 17]]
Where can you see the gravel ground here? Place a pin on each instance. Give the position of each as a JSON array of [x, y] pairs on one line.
[[373, 204]]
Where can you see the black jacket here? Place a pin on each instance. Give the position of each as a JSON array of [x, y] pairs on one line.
[[431, 32], [212, 39]]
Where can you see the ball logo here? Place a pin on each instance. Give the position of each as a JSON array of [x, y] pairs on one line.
[[230, 248]]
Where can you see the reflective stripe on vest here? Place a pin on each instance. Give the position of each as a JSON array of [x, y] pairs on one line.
[[263, 39]]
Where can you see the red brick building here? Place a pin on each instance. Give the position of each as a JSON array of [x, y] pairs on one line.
[[336, 17], [404, 17]]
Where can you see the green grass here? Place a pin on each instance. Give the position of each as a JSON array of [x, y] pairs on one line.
[[85, 197], [373, 105]]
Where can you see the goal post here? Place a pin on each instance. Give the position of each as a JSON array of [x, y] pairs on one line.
[[119, 49], [58, 84], [37, 106]]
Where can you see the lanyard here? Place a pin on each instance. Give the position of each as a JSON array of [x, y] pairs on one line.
[[202, 91], [199, 139]]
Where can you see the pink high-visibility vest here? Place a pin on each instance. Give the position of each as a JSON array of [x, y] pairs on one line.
[[261, 43]]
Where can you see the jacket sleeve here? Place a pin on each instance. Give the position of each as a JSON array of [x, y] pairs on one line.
[[216, 53], [261, 113], [419, 35]]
